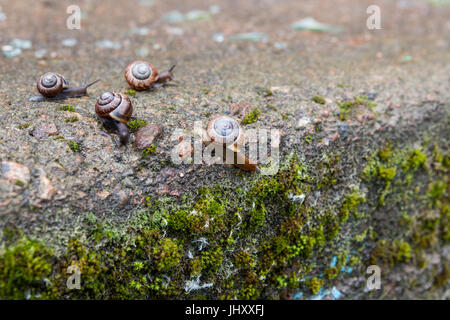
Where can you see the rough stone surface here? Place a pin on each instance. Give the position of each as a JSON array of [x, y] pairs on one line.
[[108, 197], [45, 131]]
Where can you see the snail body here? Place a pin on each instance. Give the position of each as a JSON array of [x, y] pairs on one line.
[[115, 109], [142, 75], [53, 86], [226, 132]]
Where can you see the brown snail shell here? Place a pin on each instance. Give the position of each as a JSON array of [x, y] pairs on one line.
[[114, 105], [141, 75], [224, 130], [51, 84]]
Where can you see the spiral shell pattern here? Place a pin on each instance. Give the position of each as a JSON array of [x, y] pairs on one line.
[[50, 84], [140, 75], [224, 130], [114, 105]]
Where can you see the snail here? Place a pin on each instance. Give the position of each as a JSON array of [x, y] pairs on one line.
[[115, 109], [142, 75], [53, 86], [226, 131]]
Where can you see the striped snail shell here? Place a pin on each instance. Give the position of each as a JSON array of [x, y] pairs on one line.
[[114, 105], [141, 75], [224, 130], [50, 84]]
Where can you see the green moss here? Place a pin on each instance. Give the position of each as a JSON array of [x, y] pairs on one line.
[[252, 116], [71, 119], [25, 266], [75, 147], [415, 160], [212, 258], [131, 92], [315, 284], [387, 174], [390, 254], [350, 204], [318, 99], [446, 161], [403, 251], [136, 124], [441, 279], [166, 254], [257, 215], [195, 266], [244, 260], [24, 126], [204, 90], [435, 191], [308, 139], [332, 272], [19, 183], [385, 153], [346, 107], [264, 92], [149, 151], [363, 100], [67, 107]]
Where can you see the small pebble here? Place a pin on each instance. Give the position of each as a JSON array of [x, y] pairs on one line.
[[15, 172], [343, 130], [139, 31], [146, 136], [21, 43], [142, 52], [45, 131], [197, 15], [280, 45], [302, 123], [10, 51], [46, 190], [314, 25], [214, 9], [40, 53], [146, 3], [108, 44], [218, 37], [175, 31], [70, 42], [250, 36], [173, 17]]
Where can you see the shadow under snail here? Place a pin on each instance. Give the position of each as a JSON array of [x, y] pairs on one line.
[[115, 110], [226, 132], [142, 75], [53, 86]]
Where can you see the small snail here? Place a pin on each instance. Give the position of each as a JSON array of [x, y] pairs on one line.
[[53, 86], [115, 109], [142, 75], [226, 131]]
